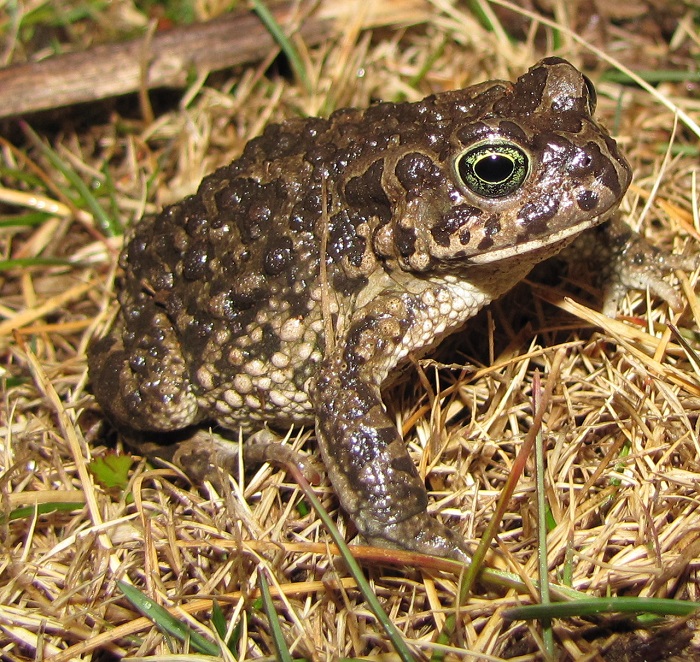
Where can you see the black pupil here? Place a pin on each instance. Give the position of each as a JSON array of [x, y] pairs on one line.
[[494, 168]]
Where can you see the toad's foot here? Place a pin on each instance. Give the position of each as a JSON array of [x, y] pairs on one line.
[[207, 456], [623, 260]]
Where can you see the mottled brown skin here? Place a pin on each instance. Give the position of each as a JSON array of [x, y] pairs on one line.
[[222, 305]]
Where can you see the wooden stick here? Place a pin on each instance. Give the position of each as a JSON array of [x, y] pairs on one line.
[[164, 59]]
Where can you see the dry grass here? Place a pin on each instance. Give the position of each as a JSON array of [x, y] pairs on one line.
[[621, 428]]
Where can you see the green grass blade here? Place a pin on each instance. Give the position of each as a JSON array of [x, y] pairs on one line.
[[353, 566], [28, 219], [541, 495], [106, 225], [41, 509], [218, 620], [653, 76], [593, 606], [23, 262], [166, 622], [283, 654], [284, 43]]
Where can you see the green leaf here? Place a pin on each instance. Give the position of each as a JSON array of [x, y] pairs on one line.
[[112, 470]]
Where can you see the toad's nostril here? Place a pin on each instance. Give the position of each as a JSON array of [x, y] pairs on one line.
[[580, 164]]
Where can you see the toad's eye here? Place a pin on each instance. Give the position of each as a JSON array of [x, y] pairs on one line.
[[592, 95], [492, 170]]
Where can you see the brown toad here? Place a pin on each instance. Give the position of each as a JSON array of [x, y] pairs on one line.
[[389, 227]]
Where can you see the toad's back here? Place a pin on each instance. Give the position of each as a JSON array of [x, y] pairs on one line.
[[387, 228]]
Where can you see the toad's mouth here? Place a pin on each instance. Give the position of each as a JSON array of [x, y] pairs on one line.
[[543, 246]]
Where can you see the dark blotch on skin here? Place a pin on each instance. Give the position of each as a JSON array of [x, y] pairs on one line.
[[580, 163], [247, 290], [405, 241], [600, 165], [195, 262], [270, 342], [472, 133], [417, 171], [367, 193], [492, 227], [587, 200], [404, 465], [197, 223], [252, 205], [343, 239], [321, 154], [306, 212], [454, 223], [172, 301], [527, 94], [588, 161], [346, 286], [278, 256], [513, 131], [485, 244], [197, 334], [569, 122], [534, 216]]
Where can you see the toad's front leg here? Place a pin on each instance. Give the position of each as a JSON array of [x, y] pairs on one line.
[[366, 458]]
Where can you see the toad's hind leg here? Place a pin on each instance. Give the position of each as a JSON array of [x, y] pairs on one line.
[[205, 455], [367, 461], [140, 377]]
